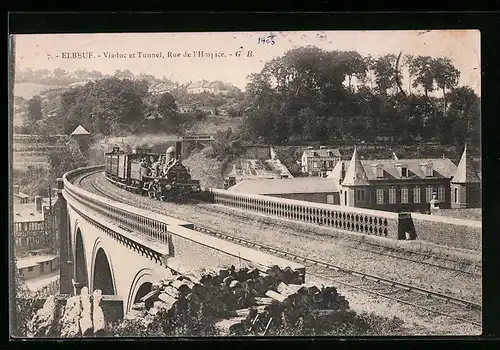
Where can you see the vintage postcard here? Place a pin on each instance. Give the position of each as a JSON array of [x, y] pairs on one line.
[[246, 183]]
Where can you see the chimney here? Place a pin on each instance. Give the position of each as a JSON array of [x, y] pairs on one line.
[[16, 189], [38, 204]]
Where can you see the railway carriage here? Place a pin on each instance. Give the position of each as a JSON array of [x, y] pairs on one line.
[[159, 175]]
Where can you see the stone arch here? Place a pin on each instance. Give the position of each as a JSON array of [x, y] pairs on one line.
[[102, 271], [142, 279], [81, 273]]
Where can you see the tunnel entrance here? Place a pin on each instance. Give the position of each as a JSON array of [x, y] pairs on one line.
[[103, 279], [144, 289], [81, 276]]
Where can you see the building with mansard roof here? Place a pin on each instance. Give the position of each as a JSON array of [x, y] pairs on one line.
[[406, 184], [396, 185]]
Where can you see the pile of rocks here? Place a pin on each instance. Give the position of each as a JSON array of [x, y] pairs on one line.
[[80, 315], [239, 301]]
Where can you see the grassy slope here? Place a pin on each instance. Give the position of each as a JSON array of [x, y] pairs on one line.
[[206, 169]]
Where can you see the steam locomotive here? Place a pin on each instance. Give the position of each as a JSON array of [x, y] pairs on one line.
[[159, 175]]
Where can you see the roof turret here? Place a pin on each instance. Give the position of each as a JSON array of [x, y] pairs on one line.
[[355, 174], [465, 170]]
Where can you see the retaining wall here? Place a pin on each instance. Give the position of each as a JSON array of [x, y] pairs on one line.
[[452, 232]]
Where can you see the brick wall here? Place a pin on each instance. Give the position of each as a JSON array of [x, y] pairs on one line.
[[466, 234]]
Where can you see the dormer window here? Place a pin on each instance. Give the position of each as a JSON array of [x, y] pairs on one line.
[[379, 170], [403, 170], [427, 169]]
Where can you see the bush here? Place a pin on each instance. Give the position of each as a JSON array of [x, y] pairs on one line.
[[25, 306]]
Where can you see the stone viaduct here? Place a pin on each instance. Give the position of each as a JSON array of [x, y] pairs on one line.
[[122, 250]]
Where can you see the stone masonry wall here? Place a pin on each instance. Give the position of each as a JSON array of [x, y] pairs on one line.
[[457, 233]]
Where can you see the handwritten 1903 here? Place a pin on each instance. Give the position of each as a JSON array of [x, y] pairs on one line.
[[269, 39]]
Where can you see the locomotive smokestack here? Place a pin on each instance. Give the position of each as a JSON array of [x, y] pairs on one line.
[[178, 149], [170, 154]]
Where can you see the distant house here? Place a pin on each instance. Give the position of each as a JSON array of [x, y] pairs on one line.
[[33, 227], [205, 86], [201, 86], [319, 162], [37, 265], [161, 88], [19, 197]]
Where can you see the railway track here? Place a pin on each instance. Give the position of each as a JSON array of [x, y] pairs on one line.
[[429, 301], [394, 252]]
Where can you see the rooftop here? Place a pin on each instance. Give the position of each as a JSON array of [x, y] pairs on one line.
[[34, 260], [21, 195], [443, 168], [323, 153], [465, 172], [286, 186], [26, 213], [80, 130]]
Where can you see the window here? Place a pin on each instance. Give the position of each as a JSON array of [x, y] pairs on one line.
[[416, 195], [392, 195], [360, 195], [428, 194], [345, 198], [404, 195], [380, 172], [315, 164], [30, 269], [428, 170], [441, 195], [456, 195], [380, 196], [329, 198], [404, 172]]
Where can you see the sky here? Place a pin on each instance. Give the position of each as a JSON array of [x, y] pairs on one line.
[[33, 51]]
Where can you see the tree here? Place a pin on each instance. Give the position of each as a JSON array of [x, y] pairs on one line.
[[82, 74], [95, 74], [126, 74], [356, 66], [59, 73], [464, 115], [385, 73], [62, 161], [35, 109], [167, 107], [421, 67], [445, 75], [104, 105]]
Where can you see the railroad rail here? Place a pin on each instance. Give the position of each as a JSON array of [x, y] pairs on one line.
[[356, 247], [430, 301]]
